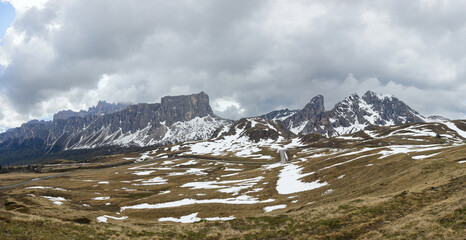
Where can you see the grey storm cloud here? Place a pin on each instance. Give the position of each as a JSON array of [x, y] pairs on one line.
[[251, 57]]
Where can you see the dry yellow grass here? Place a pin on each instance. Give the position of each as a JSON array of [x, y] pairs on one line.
[[398, 197]]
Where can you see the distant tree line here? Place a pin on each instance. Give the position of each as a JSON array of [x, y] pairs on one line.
[[23, 154], [35, 168]]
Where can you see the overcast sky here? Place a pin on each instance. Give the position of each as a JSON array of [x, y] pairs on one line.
[[251, 57]]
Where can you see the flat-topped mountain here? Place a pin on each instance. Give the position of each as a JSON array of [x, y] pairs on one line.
[[175, 119]]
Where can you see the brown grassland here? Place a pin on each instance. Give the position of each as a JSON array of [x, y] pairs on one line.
[[368, 196]]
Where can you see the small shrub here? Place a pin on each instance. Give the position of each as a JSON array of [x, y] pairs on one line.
[[457, 220], [5, 219], [82, 220], [8, 204], [330, 223], [13, 206]]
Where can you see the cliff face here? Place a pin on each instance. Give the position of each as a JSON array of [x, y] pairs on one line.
[[185, 108], [175, 119]]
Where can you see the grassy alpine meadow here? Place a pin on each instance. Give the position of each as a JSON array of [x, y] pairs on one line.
[[340, 188], [238, 120]]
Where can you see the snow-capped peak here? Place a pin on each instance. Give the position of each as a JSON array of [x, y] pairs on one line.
[[379, 95], [352, 114]]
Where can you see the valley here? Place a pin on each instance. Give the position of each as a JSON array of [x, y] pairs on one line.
[[232, 120]]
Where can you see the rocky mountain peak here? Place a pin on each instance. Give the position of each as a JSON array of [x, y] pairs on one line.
[[351, 114], [310, 112], [349, 102], [372, 97], [316, 105], [104, 107], [101, 108]]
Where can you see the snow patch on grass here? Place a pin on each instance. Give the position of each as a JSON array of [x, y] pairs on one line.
[[424, 156], [42, 187], [453, 127], [168, 162], [56, 200], [191, 171], [289, 180], [101, 198], [143, 173], [233, 186], [193, 218], [349, 138], [104, 218], [327, 192], [190, 162], [189, 201], [275, 207], [232, 169], [152, 181], [229, 175], [396, 149]]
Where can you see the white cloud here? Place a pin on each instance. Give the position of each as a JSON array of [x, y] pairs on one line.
[[228, 108], [8, 116], [250, 57], [24, 5], [222, 104]]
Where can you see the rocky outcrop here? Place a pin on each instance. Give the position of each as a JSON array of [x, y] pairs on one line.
[[310, 113]]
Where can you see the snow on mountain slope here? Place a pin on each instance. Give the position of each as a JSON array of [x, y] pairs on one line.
[[449, 131], [436, 118], [174, 119], [356, 113], [454, 127], [279, 115], [350, 115], [244, 138], [255, 129], [199, 128], [299, 128]]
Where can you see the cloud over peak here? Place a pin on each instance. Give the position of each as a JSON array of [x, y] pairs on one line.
[[254, 55]]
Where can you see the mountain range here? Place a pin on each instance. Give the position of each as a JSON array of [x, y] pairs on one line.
[[175, 119], [189, 117], [101, 108], [350, 115]]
